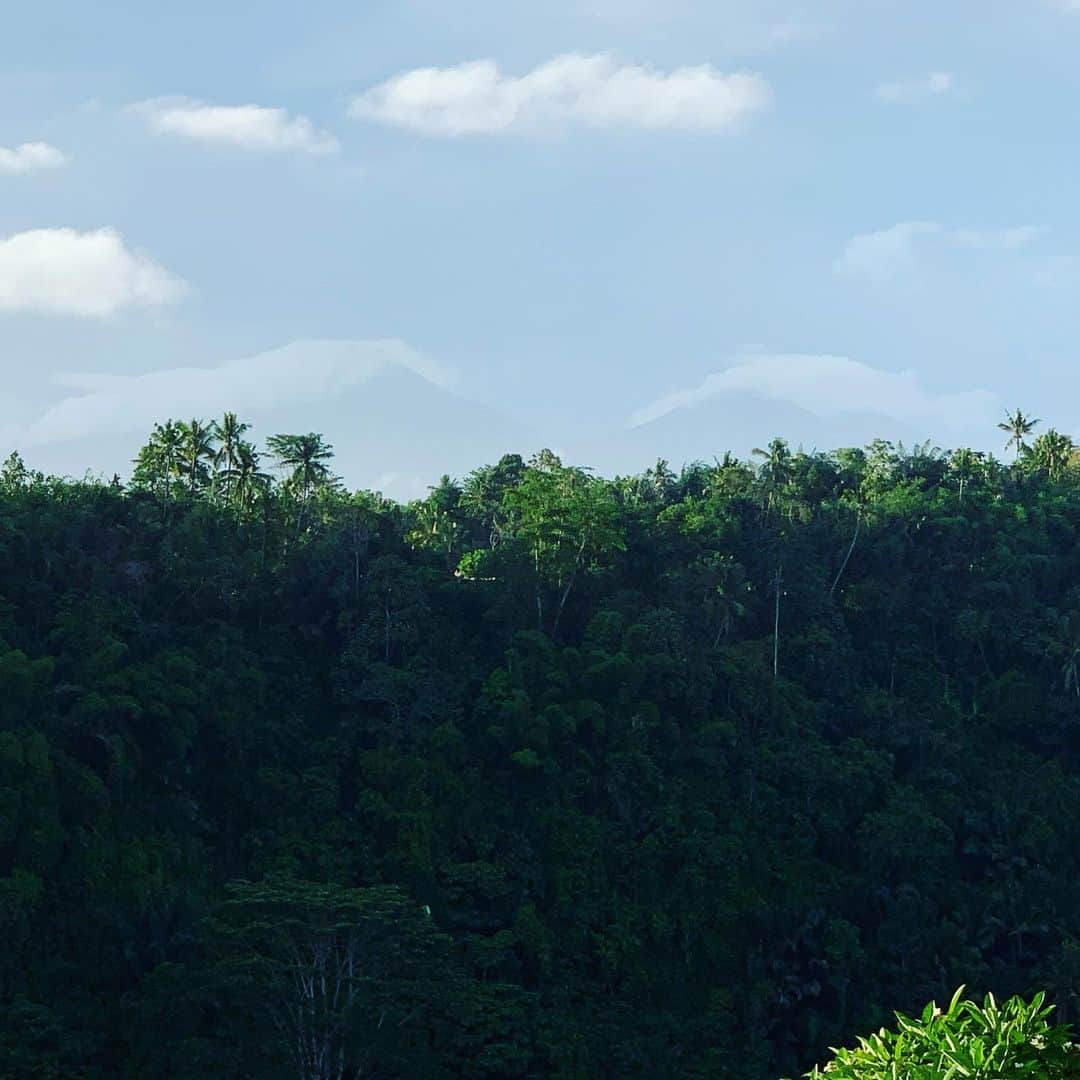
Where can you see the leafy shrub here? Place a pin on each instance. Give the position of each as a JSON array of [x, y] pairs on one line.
[[967, 1041]]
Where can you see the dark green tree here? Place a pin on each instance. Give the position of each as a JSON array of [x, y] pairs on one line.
[[332, 968]]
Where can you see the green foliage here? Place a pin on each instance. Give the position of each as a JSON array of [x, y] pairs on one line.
[[329, 966], [563, 520], [975, 1042], [521, 744]]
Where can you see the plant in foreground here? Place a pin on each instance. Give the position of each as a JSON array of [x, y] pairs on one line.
[[966, 1041]]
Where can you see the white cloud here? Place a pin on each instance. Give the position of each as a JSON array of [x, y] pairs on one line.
[[30, 157], [250, 127], [914, 91], [301, 371], [1066, 5], [64, 271], [831, 386], [592, 91], [884, 254]]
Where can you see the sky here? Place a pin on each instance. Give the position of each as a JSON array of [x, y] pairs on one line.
[[620, 228]]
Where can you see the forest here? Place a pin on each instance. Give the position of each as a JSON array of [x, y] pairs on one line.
[[693, 773]]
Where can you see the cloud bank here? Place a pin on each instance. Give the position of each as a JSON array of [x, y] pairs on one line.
[[884, 254], [92, 274], [301, 371], [29, 158], [248, 127], [832, 386], [594, 91]]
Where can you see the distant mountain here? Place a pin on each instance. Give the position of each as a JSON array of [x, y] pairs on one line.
[[394, 421], [399, 432], [397, 424], [735, 422]]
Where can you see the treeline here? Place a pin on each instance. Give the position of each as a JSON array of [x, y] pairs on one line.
[[683, 774]]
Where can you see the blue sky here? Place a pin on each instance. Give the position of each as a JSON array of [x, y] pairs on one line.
[[585, 214]]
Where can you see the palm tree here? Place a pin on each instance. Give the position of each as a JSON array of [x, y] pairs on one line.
[[1053, 453], [246, 479], [729, 478], [196, 450], [660, 479], [965, 464], [1018, 426], [775, 471], [306, 456], [229, 431], [159, 464], [924, 463], [437, 521]]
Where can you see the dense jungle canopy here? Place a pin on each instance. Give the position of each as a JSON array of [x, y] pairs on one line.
[[693, 773]]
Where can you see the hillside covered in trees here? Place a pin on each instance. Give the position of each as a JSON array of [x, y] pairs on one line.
[[685, 774]]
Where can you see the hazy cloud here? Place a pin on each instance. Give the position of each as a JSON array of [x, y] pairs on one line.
[[301, 371], [884, 254], [997, 239], [914, 91], [249, 127], [30, 157], [592, 91], [64, 271], [829, 386]]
